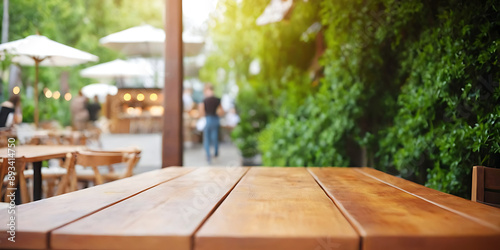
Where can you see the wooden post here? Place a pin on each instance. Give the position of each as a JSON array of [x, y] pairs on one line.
[[172, 91]]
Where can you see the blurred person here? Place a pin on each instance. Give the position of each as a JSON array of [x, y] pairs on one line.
[[79, 112], [10, 112], [94, 108], [211, 109]]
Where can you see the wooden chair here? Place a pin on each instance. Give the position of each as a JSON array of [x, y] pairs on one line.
[[19, 179], [68, 182], [132, 149], [53, 175], [94, 159], [3, 172], [486, 185]]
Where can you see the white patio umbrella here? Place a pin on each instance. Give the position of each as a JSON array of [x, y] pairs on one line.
[[37, 50], [144, 40], [147, 41], [101, 90], [114, 69]]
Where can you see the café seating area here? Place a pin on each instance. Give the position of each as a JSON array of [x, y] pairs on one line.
[[50, 161]]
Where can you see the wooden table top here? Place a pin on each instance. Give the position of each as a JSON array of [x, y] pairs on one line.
[[255, 208], [32, 153]]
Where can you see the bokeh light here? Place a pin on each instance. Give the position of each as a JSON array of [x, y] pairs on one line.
[[67, 96], [48, 93], [56, 95]]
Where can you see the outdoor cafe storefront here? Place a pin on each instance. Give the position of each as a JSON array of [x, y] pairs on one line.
[[134, 110]]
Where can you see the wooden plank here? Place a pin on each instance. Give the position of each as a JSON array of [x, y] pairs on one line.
[[277, 208], [164, 217], [390, 218], [36, 219], [487, 215]]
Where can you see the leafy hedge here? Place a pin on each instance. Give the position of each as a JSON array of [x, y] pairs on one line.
[[410, 87]]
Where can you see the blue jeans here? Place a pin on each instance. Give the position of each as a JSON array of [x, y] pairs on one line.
[[211, 135]]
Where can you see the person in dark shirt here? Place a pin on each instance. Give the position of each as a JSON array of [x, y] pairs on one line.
[[211, 109], [94, 109], [10, 112]]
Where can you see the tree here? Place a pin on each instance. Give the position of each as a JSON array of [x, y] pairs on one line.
[[277, 49]]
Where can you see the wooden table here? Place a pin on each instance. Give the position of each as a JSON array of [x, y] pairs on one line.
[[36, 154], [255, 208]]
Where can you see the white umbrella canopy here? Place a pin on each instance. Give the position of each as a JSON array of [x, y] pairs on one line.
[[146, 40], [49, 53], [37, 50], [114, 69], [101, 90]]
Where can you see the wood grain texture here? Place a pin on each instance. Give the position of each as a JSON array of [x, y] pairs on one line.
[[164, 217], [277, 208], [36, 219], [389, 218], [487, 215]]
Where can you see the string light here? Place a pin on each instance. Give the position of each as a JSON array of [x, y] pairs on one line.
[[56, 95], [48, 93], [127, 97], [140, 97], [153, 97], [67, 96], [16, 90]]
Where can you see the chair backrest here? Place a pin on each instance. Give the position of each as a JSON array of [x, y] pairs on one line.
[[107, 158], [131, 149], [94, 159], [132, 160], [486, 185], [68, 182]]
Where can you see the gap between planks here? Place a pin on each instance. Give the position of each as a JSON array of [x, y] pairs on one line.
[[49, 234], [192, 238], [354, 223]]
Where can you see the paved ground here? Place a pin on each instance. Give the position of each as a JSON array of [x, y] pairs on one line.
[[151, 151]]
